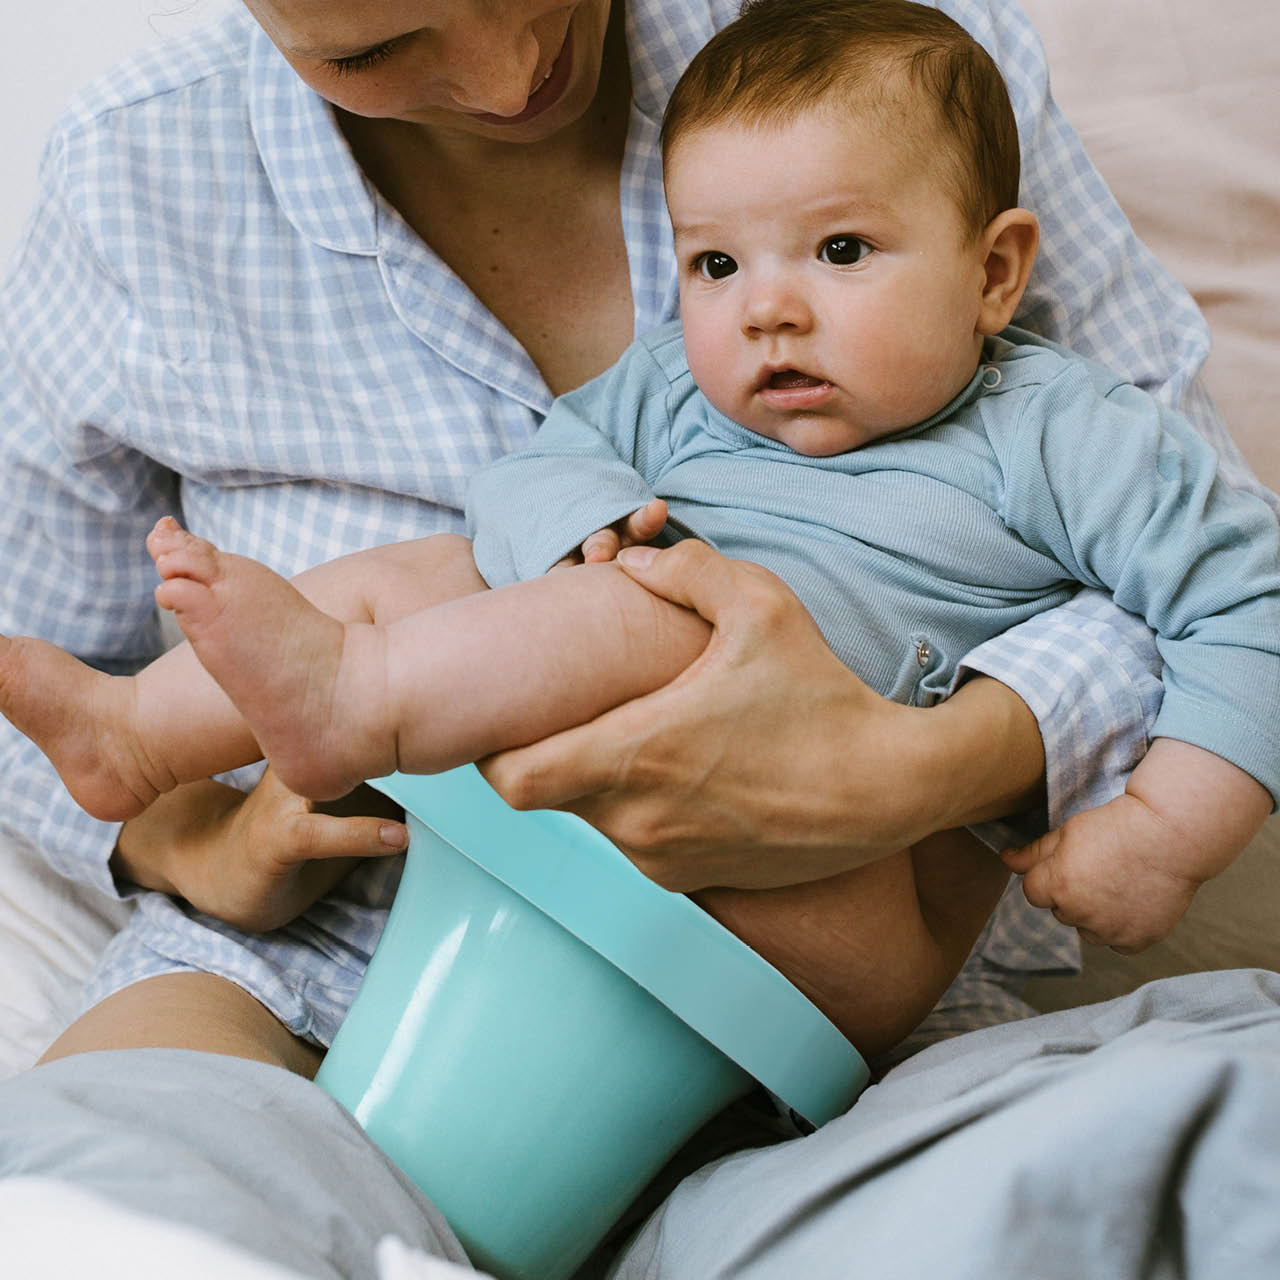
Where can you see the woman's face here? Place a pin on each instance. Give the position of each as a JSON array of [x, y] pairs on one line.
[[513, 70]]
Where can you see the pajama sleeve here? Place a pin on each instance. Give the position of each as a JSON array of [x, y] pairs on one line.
[[75, 505]]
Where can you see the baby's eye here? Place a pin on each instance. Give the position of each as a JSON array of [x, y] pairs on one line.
[[843, 251], [714, 266]]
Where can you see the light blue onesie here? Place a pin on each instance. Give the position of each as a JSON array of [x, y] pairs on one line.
[[1044, 473]]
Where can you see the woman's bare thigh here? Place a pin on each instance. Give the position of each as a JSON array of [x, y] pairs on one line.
[[187, 1011]]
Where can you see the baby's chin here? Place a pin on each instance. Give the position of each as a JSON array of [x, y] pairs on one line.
[[821, 437]]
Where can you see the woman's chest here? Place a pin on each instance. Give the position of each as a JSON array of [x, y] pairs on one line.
[[552, 268]]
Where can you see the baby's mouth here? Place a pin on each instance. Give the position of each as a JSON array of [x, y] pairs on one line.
[[794, 391], [789, 379]]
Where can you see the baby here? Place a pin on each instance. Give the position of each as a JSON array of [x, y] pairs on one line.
[[844, 404]]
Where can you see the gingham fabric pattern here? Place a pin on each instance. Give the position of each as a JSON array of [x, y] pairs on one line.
[[212, 313]]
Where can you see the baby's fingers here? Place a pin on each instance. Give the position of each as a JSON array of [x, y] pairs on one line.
[[644, 525], [1104, 920], [1044, 883], [1020, 861], [600, 546]]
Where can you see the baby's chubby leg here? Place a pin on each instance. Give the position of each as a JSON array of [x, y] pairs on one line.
[[272, 649], [332, 703], [119, 742], [873, 948]]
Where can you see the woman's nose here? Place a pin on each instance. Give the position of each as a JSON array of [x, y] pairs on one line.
[[488, 62], [774, 302]]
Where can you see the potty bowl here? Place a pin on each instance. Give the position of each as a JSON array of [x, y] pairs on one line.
[[541, 1027]]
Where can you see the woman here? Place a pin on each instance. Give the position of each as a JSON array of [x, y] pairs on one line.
[[298, 277]]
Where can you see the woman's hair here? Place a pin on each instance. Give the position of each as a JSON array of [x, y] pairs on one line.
[[892, 58]]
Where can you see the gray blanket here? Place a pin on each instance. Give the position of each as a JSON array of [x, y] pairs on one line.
[[1135, 1139]]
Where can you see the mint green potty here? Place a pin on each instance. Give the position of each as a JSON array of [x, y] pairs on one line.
[[541, 1027]]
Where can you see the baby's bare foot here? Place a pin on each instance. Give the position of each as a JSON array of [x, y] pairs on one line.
[[84, 722], [276, 656]]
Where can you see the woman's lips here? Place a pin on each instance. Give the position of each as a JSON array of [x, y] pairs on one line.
[[546, 95]]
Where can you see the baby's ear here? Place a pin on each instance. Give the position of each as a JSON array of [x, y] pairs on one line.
[[1009, 244]]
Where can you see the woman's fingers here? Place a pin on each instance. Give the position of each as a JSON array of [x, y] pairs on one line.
[[562, 769], [285, 829], [319, 835], [690, 574]]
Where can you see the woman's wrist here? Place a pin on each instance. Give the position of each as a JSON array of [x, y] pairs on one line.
[[982, 755], [149, 847]]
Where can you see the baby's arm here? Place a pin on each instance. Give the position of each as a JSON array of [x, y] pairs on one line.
[[1124, 873], [1125, 496]]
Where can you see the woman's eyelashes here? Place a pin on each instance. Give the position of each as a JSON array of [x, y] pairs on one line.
[[843, 250], [714, 265], [357, 62]]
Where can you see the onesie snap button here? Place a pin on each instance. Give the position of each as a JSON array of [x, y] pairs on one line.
[[923, 652], [991, 377]]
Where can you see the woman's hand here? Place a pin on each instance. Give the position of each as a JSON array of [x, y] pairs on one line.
[[767, 762], [256, 860]]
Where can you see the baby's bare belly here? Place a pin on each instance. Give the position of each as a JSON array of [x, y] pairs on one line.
[[876, 947]]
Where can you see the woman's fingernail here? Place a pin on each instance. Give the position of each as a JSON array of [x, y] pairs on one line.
[[393, 834], [638, 557]]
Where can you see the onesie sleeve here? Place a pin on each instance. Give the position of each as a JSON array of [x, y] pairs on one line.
[[75, 505], [582, 472], [1127, 497], [1084, 669]]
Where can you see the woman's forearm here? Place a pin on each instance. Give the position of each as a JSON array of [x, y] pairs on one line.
[[984, 750]]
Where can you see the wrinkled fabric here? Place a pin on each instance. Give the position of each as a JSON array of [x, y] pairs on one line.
[[1133, 1140]]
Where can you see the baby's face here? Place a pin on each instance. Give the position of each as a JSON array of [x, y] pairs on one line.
[[828, 288]]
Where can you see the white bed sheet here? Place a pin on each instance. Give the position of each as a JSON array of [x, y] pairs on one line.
[[51, 932], [110, 1242]]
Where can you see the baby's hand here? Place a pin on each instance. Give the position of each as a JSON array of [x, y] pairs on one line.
[[1125, 872], [1105, 871], [640, 526]]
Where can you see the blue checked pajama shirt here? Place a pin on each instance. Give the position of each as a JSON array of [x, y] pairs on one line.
[[213, 314]]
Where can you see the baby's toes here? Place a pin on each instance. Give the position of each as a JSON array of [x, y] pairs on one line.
[[165, 536], [188, 598], [187, 556]]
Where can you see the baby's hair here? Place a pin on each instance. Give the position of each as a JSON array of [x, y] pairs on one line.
[[780, 58]]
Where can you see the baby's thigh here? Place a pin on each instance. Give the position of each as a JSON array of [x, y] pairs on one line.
[[873, 948], [384, 583]]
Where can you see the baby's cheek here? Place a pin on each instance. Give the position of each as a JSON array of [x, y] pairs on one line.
[[710, 355]]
